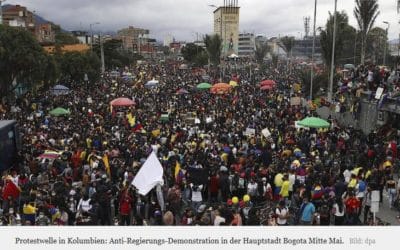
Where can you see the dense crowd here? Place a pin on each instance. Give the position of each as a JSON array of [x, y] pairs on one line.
[[219, 169]]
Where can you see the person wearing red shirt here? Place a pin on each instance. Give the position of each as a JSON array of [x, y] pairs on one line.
[[125, 207], [352, 207]]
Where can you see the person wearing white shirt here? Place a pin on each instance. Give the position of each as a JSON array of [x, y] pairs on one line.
[[282, 214], [197, 197], [347, 175]]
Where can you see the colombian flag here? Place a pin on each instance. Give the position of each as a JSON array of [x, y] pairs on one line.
[[178, 172], [107, 164]]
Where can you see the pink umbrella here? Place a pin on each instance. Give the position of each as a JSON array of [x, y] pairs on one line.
[[268, 82], [182, 92], [123, 101], [267, 87]]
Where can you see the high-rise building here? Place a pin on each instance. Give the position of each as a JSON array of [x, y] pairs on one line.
[[226, 25], [133, 38], [246, 45]]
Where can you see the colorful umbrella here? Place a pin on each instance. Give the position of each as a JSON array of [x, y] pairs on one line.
[[314, 122], [203, 85], [268, 82], [60, 90], [267, 87], [59, 111], [151, 83], [182, 91], [122, 101], [220, 88], [233, 83]]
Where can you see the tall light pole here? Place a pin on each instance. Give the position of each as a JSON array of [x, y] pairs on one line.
[[91, 34], [387, 32], [313, 51], [330, 91], [1, 11]]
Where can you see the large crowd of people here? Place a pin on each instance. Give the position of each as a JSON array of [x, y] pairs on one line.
[[219, 168]]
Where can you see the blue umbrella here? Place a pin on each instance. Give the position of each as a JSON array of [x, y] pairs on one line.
[[60, 90], [151, 84]]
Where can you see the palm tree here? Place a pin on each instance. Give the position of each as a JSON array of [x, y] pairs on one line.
[[262, 48], [365, 12], [213, 47], [286, 43]]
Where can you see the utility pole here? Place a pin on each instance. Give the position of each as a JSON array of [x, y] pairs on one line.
[[103, 66], [330, 91], [313, 51], [91, 35]]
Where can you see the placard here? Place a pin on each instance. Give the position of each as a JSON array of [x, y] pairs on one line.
[[295, 101], [250, 131], [379, 93]]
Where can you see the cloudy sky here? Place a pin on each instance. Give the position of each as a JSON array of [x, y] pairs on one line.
[[183, 18]]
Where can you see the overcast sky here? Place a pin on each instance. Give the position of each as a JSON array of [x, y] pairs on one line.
[[183, 18]]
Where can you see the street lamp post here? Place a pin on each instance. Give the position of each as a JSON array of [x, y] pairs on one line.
[[330, 91], [313, 51], [91, 34], [384, 52]]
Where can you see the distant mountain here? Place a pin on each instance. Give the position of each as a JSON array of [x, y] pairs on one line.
[[394, 41]]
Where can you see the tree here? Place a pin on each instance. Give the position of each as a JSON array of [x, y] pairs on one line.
[[286, 43], [22, 59], [375, 46], [213, 47], [191, 51], [62, 37], [342, 36], [115, 55], [365, 12], [262, 48], [74, 66]]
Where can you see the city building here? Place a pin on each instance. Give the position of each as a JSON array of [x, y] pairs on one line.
[[246, 45], [18, 16], [133, 38], [83, 36], [45, 33], [303, 48], [168, 40], [226, 25]]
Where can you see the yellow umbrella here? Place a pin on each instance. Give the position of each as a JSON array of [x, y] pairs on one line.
[[233, 84]]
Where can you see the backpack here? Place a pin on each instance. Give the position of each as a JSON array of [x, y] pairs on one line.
[[362, 186]]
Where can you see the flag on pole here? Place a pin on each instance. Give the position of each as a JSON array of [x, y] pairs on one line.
[[149, 175]]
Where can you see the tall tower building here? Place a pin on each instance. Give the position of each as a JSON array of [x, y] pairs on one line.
[[226, 25]]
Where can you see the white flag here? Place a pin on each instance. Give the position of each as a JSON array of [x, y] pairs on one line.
[[149, 175]]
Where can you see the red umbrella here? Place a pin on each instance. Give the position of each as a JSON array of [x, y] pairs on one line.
[[267, 87], [268, 82], [123, 101]]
